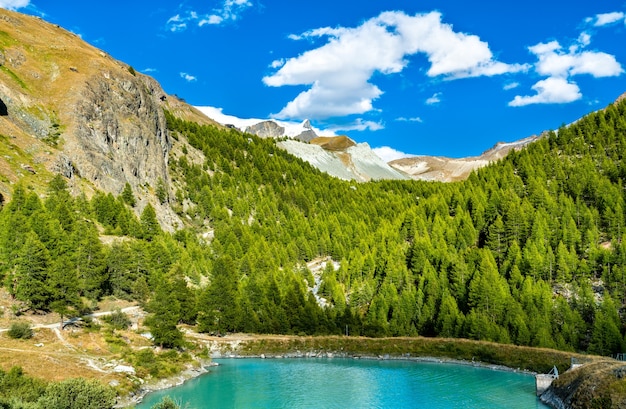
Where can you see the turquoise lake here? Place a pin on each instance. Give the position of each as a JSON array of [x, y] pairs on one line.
[[351, 383]]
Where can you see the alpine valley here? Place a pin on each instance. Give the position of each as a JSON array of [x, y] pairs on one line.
[[135, 231]]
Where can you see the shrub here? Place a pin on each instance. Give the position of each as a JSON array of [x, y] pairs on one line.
[[20, 330], [77, 393], [117, 320], [166, 403]]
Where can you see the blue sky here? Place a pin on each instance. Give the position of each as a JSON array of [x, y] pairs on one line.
[[420, 77]]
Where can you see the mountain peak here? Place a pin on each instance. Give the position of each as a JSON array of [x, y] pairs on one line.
[[72, 109]]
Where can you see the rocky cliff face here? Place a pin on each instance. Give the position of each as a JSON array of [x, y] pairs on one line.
[[67, 107], [119, 132], [266, 129]]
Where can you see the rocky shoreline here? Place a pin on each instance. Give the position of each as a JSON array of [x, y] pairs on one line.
[[551, 399], [137, 396]]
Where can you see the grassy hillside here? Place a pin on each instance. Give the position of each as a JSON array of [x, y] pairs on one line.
[[46, 73]]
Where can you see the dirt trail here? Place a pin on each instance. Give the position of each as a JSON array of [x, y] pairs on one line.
[[57, 325]]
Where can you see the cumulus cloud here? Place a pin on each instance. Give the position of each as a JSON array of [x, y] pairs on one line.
[[559, 65], [188, 77], [229, 11], [13, 4], [550, 91], [511, 85], [339, 72], [607, 18], [388, 154], [553, 61], [435, 99]]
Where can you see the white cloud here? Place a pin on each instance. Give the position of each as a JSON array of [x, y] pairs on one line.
[[552, 90], [511, 85], [356, 125], [584, 39], [607, 18], [558, 64], [177, 23], [277, 63], [13, 4], [212, 19], [413, 119], [188, 77], [388, 154], [339, 72], [291, 128], [435, 99], [229, 11], [553, 61]]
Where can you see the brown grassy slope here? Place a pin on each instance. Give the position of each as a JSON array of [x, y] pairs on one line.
[[50, 65], [333, 143], [44, 71], [51, 360]]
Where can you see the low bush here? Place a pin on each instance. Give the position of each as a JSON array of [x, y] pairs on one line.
[[20, 330], [117, 320]]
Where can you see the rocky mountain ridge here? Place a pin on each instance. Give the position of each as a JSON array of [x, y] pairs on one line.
[[331, 154], [356, 162], [67, 107], [443, 169]]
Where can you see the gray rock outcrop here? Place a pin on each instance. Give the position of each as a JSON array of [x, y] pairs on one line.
[[120, 132], [266, 129], [306, 136], [270, 129]]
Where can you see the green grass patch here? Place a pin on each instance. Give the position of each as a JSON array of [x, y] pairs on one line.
[[161, 365], [11, 74], [5, 39]]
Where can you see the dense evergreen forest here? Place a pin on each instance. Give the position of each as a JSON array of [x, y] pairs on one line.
[[528, 250]]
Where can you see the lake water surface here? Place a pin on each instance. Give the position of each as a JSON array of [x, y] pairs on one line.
[[351, 383]]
